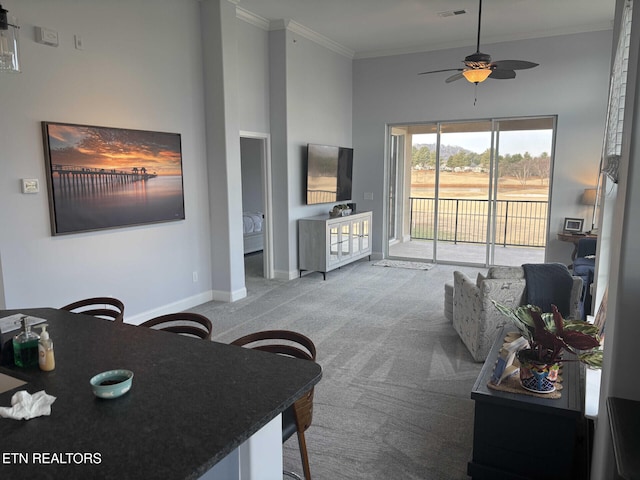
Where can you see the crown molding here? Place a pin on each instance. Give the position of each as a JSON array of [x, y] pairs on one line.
[[252, 18], [295, 27], [309, 34]]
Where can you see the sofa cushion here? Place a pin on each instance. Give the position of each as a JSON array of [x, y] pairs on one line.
[[549, 284], [505, 272]]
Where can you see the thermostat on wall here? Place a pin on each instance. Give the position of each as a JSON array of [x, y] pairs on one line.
[[30, 185], [46, 36]]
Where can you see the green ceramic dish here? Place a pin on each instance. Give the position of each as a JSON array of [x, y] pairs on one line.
[[112, 384]]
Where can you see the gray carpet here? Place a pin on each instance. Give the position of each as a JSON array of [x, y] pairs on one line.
[[394, 401]]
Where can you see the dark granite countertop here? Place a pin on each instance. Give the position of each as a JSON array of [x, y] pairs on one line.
[[192, 402]]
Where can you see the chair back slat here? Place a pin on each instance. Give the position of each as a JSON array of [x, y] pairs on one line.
[[262, 338], [184, 323], [292, 344], [103, 307], [287, 350]]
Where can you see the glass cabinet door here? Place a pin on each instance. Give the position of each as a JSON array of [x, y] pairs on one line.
[[356, 233], [366, 235], [345, 239], [334, 243]]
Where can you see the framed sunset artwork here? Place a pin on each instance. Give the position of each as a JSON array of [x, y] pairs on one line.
[[105, 177]]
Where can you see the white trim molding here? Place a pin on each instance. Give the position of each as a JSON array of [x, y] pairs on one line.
[[292, 26], [299, 29], [252, 18]]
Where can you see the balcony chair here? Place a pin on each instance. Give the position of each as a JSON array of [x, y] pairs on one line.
[[475, 317], [297, 418], [184, 323], [584, 266], [107, 308]]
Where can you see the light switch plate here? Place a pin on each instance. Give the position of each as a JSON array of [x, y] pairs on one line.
[[30, 185]]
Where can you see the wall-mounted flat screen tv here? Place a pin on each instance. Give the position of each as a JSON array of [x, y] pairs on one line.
[[329, 173]]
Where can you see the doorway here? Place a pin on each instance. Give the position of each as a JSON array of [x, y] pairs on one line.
[[474, 192], [257, 219]]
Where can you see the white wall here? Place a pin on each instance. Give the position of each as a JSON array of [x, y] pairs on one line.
[[221, 66], [140, 68], [619, 271], [571, 82], [288, 86], [253, 77], [133, 74], [311, 102]]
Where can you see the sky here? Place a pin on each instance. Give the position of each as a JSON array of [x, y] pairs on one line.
[[115, 149], [533, 141]]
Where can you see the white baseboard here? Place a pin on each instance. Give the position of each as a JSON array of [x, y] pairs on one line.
[[179, 306], [187, 303], [285, 274], [224, 296]]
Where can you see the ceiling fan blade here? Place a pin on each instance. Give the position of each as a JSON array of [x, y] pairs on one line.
[[502, 74], [453, 78], [513, 64], [445, 70]]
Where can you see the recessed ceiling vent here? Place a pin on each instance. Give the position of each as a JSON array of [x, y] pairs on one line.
[[452, 13]]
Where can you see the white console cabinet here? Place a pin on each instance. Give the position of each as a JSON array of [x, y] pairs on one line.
[[326, 243]]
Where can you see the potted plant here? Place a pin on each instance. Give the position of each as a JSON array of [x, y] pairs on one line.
[[549, 336]]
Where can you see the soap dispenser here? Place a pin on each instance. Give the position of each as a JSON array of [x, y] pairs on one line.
[[46, 360], [25, 346]]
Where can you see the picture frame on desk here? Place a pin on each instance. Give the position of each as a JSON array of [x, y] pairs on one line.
[[573, 225]]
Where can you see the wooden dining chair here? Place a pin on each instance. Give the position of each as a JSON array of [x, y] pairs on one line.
[[184, 323], [297, 418], [102, 307]]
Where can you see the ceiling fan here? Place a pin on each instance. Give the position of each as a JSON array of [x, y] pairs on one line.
[[479, 67]]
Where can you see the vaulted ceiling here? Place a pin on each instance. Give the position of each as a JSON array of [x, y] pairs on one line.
[[367, 28]]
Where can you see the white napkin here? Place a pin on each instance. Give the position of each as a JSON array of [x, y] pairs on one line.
[[26, 406]]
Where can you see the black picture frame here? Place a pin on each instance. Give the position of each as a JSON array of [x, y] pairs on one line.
[[573, 225], [107, 177]]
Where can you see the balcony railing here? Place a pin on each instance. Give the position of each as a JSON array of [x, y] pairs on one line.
[[520, 223]]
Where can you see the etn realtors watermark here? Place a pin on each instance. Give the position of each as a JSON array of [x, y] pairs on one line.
[[51, 458]]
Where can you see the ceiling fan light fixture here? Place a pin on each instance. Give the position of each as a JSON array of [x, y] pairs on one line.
[[478, 66], [476, 75]]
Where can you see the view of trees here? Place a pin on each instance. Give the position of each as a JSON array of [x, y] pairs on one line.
[[523, 167]]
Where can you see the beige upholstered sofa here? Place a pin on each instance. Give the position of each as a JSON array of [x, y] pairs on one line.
[[477, 320]]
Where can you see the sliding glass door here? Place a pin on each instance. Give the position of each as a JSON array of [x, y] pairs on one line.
[[522, 179], [464, 191], [475, 192], [395, 156]]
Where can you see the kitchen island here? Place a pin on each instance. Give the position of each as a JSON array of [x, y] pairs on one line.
[[194, 404]]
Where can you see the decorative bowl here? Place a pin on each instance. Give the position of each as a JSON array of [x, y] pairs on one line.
[[340, 213], [111, 384]]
